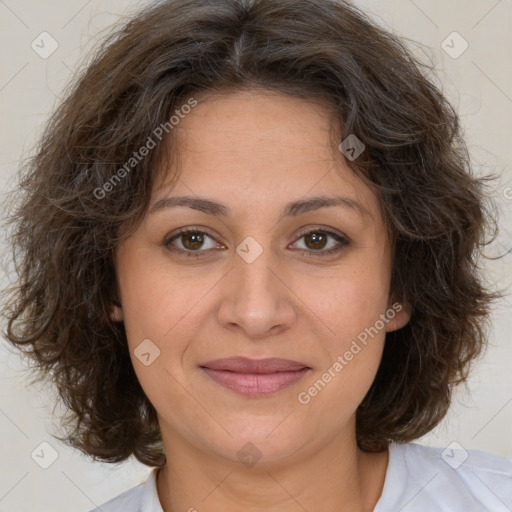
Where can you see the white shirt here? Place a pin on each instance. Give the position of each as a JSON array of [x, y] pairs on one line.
[[418, 479]]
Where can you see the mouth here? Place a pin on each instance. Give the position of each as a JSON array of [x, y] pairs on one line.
[[255, 377]]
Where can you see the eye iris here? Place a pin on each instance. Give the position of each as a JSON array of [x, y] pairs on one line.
[[318, 239], [197, 240]]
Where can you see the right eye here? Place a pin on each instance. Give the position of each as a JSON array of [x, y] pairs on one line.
[[191, 240]]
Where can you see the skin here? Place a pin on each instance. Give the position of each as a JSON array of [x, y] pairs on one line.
[[254, 151]]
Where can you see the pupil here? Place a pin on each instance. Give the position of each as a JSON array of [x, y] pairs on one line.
[[198, 240], [317, 239]]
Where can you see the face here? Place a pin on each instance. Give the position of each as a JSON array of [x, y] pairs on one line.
[[263, 273]]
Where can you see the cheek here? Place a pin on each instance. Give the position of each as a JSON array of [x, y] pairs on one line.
[[352, 347], [156, 303], [168, 309], [158, 314], [347, 307], [348, 301]]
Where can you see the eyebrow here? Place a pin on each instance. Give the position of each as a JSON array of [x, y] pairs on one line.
[[293, 208]]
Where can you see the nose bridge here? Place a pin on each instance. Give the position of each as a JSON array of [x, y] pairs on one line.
[[256, 300], [255, 279]]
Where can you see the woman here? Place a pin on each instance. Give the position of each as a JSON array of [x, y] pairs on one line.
[[248, 246]]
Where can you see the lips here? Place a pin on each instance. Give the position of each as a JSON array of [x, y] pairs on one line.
[[256, 366], [255, 377]]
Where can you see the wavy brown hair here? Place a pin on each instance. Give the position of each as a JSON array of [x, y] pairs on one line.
[[64, 234]]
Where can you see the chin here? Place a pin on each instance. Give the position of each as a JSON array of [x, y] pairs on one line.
[[263, 444]]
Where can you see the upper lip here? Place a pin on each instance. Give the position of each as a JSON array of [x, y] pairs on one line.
[[247, 365]]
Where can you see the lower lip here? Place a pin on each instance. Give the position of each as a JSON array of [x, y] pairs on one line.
[[252, 384]]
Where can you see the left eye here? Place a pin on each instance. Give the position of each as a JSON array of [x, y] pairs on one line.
[[316, 241]]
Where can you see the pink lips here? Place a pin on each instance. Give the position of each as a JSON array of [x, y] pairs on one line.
[[255, 377]]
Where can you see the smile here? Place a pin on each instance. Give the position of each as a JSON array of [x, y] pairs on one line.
[[255, 377]]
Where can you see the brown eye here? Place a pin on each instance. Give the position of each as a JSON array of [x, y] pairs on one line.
[[318, 239], [191, 242]]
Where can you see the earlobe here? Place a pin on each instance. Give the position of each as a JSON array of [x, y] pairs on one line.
[[116, 313], [399, 314]]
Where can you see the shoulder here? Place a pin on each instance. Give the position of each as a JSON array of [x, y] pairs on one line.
[[451, 478], [142, 498]]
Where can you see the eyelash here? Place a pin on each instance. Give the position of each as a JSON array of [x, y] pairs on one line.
[[342, 240]]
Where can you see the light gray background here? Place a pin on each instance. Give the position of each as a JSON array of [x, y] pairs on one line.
[[479, 83]]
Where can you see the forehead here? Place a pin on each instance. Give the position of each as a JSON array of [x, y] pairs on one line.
[[256, 121], [247, 145]]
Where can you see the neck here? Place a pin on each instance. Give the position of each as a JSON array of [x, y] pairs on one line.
[[338, 477]]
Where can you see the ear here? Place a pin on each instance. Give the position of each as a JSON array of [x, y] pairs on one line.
[[116, 312], [399, 314]]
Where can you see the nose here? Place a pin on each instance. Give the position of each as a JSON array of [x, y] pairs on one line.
[[256, 298]]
